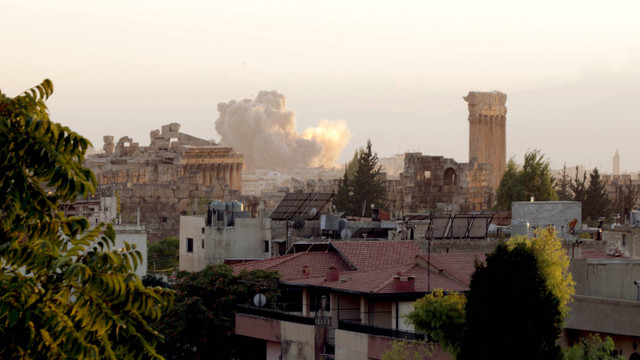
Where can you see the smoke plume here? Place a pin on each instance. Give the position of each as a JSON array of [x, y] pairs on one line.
[[264, 131]]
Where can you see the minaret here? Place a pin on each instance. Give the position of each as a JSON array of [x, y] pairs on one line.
[[616, 164], [487, 131]]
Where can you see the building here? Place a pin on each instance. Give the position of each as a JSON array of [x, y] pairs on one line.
[[346, 299], [177, 174], [225, 233]]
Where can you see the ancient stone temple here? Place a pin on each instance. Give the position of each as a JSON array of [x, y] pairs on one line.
[[175, 175], [487, 131]]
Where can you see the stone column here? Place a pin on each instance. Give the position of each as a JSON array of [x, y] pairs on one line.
[[232, 177], [487, 133], [239, 177], [227, 174]]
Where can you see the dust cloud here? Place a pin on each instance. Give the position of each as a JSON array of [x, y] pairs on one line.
[[264, 131]]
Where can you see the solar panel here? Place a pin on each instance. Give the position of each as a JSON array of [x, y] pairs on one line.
[[303, 205]]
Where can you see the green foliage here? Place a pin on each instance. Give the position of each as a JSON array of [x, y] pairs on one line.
[[592, 348], [511, 312], [596, 202], [200, 325], [626, 199], [356, 193], [553, 264], [408, 350], [564, 186], [64, 291], [442, 318], [164, 254], [579, 186], [534, 179]]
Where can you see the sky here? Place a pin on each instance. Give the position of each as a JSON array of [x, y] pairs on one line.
[[395, 72]]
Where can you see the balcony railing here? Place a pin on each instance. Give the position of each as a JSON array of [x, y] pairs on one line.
[[357, 326], [284, 316]]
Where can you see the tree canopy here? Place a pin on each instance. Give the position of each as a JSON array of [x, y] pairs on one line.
[[201, 324], [533, 180], [66, 292], [515, 308], [442, 317], [510, 310], [357, 193], [163, 254], [596, 201]]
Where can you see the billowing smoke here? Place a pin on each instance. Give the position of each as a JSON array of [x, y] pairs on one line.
[[264, 131]]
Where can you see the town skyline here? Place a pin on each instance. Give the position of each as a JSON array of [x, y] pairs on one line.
[[395, 74]]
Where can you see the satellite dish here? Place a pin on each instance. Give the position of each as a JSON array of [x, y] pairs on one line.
[[342, 224], [298, 223], [259, 300], [313, 212], [345, 234]]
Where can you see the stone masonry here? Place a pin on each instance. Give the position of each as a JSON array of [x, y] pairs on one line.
[[487, 131], [177, 174]]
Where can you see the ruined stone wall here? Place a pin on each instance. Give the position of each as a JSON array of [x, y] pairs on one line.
[[162, 204], [435, 182], [176, 174]]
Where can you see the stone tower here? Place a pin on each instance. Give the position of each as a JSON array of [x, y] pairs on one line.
[[616, 164], [487, 131]]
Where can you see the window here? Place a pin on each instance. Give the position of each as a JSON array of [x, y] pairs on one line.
[[266, 246], [203, 243], [189, 245], [163, 219], [624, 239], [203, 231]]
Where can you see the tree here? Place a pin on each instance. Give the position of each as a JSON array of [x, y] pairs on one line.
[[356, 194], [201, 324], [564, 186], [442, 318], [408, 350], [517, 301], [579, 186], [66, 293], [596, 202], [592, 348], [533, 180], [163, 254], [626, 199]]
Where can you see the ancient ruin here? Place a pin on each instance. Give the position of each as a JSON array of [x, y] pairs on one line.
[[176, 174], [487, 131], [440, 184]]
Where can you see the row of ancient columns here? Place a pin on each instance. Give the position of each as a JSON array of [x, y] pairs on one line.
[[488, 143], [226, 173]]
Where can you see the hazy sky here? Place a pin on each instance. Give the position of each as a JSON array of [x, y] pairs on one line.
[[394, 71]]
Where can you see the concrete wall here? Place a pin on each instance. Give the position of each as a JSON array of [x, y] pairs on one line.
[[606, 316], [351, 345], [606, 278], [273, 350], [542, 213], [298, 341], [191, 227], [133, 234], [214, 244]]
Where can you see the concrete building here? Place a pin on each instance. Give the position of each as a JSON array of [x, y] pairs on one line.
[[226, 232], [351, 298], [544, 213]]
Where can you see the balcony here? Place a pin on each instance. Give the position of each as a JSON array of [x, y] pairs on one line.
[[357, 326]]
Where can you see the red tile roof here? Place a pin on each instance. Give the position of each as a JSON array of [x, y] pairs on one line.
[[458, 266], [291, 266], [367, 255], [380, 281], [599, 254]]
